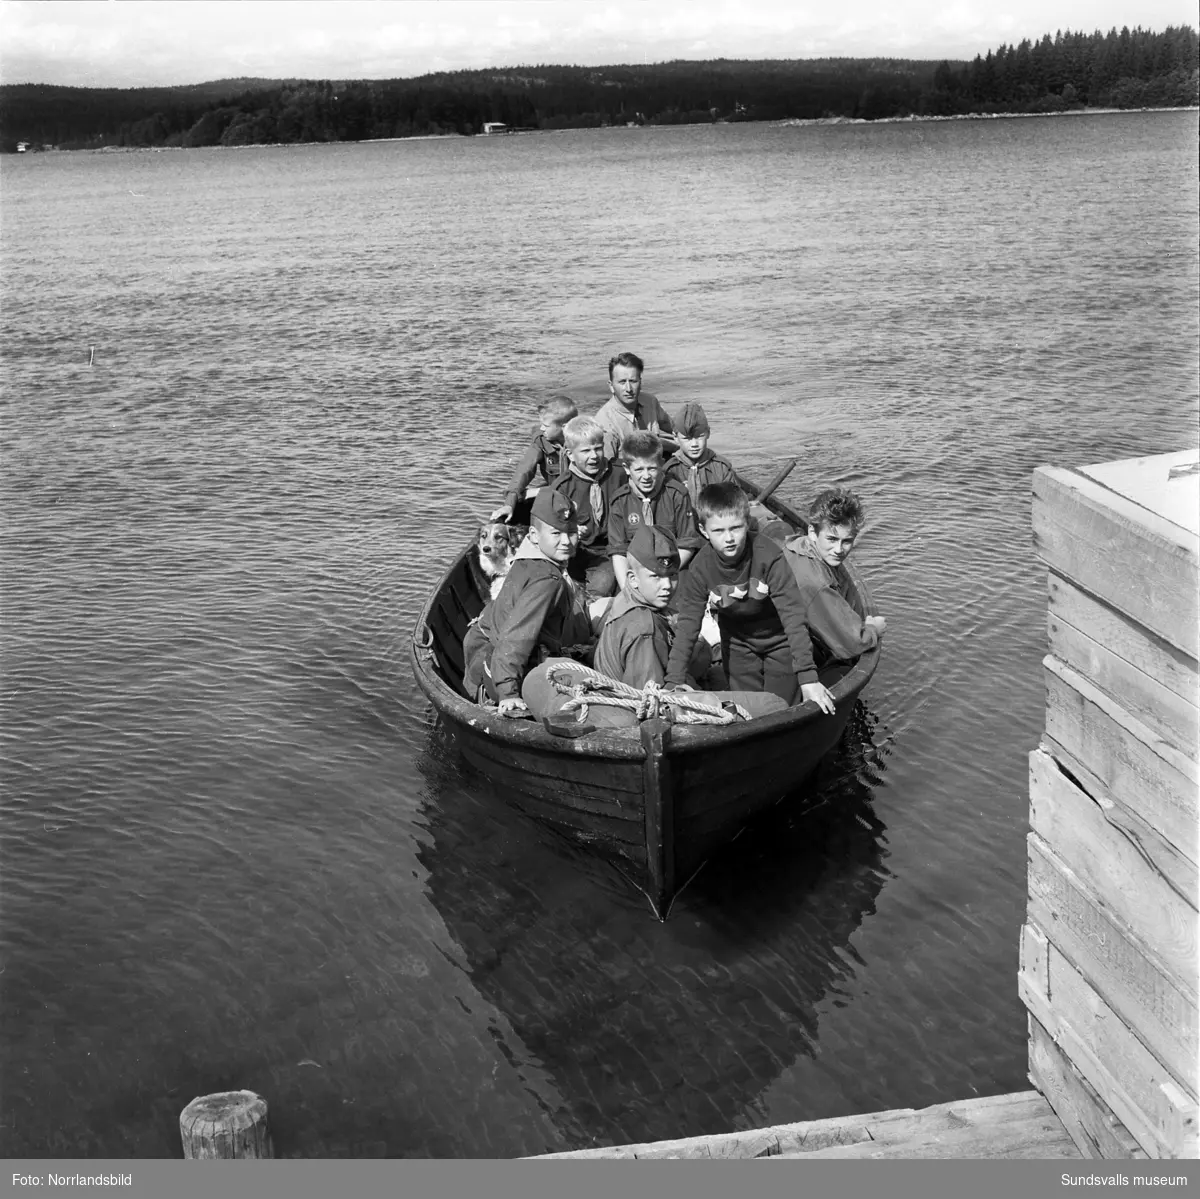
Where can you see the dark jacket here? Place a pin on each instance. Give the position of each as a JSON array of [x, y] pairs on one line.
[[598, 492], [756, 602], [669, 508], [635, 642], [536, 610], [541, 456], [708, 468]]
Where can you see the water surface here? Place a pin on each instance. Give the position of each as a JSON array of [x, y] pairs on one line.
[[239, 850]]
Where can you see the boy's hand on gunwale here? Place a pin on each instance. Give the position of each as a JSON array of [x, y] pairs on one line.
[[513, 707], [819, 694]]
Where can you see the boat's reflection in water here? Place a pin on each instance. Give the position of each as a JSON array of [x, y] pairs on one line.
[[656, 1030]]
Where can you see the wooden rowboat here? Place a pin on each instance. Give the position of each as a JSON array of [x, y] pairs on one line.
[[657, 800]]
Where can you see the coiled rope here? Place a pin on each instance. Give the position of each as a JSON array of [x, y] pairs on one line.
[[589, 686]]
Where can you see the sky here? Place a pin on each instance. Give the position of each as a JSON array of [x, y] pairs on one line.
[[132, 43]]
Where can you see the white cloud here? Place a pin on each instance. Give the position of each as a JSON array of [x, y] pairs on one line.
[[120, 43]]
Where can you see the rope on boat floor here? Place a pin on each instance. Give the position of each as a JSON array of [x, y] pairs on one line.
[[592, 687]]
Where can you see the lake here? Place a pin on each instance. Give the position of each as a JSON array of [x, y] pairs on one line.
[[239, 851]]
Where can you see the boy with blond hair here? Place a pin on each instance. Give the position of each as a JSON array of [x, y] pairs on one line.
[[543, 455], [590, 481], [648, 498], [764, 641]]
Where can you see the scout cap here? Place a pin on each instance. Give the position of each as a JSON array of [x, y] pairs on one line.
[[691, 421], [555, 509], [655, 549]]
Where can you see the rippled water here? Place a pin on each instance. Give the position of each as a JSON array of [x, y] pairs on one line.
[[238, 850]]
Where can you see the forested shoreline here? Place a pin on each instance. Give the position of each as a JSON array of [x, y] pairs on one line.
[[1060, 73]]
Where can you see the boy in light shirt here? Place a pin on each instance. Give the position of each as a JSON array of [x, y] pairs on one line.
[[833, 610]]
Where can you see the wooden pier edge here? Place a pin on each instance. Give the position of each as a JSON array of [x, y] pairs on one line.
[[1020, 1125]]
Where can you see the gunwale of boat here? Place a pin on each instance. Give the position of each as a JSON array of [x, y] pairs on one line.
[[626, 744]]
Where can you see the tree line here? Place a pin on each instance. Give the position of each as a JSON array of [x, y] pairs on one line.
[[1125, 69]]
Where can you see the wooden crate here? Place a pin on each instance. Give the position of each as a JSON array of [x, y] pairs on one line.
[[1130, 556], [1109, 956], [1140, 1091]]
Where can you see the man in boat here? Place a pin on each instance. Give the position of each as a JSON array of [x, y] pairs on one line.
[[628, 407], [765, 643], [537, 613], [832, 607]]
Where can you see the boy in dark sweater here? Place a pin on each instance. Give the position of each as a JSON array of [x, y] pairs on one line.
[[543, 456], [591, 482], [764, 639], [832, 609], [537, 612], [648, 498]]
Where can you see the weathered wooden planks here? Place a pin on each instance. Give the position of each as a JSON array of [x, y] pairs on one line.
[[1128, 762], [1141, 989], [1150, 679], [1114, 867], [1109, 956], [1020, 1125], [1141, 563], [1137, 1087], [1087, 1118]]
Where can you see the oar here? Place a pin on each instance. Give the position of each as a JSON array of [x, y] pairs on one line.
[[784, 471]]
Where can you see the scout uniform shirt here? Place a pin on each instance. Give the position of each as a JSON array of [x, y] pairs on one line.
[[593, 501], [667, 506], [757, 604], [618, 422], [541, 454], [832, 608], [635, 642], [708, 468], [536, 608]]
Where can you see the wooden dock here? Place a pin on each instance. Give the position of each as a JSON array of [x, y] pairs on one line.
[[1005, 1126]]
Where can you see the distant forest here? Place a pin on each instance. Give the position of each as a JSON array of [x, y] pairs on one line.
[[1126, 69]]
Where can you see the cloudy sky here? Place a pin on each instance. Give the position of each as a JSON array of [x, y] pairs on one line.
[[120, 43]]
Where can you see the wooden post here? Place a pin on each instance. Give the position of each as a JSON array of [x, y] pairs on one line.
[[228, 1124]]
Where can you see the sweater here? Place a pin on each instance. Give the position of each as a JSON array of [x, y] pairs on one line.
[[756, 602]]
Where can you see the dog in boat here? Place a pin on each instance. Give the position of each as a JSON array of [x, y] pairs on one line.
[[495, 547]]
